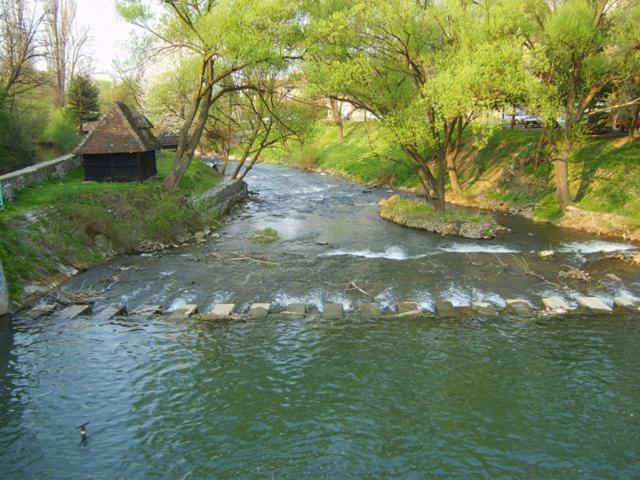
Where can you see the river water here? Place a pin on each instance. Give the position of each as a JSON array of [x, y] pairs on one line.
[[311, 398]]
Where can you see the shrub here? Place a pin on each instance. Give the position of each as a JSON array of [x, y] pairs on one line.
[[60, 133]]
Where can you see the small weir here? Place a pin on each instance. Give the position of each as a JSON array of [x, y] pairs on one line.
[[555, 306]]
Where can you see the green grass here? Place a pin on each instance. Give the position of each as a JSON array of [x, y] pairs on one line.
[[70, 221], [413, 210]]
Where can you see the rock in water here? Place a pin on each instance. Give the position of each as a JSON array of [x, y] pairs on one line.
[[546, 254]]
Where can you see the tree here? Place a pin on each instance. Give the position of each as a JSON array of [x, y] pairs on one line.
[[222, 38], [582, 51], [82, 100], [19, 48], [425, 69], [64, 44]]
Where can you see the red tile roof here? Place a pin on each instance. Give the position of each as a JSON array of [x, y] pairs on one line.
[[120, 130]]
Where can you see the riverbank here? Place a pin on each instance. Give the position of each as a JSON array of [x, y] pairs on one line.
[[54, 229], [497, 175]]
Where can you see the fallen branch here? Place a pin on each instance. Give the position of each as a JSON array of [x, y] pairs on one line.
[[246, 258], [353, 286], [522, 263]]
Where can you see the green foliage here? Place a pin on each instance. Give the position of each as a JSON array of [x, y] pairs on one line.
[[60, 133], [267, 235], [82, 100], [17, 145], [406, 209]]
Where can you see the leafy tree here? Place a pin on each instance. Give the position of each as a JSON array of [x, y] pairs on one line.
[[424, 69], [82, 100], [60, 133], [581, 51], [223, 38]]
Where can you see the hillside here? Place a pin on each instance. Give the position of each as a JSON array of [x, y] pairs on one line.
[[498, 174]]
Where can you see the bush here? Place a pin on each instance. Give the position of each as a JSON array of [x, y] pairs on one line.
[[17, 146], [60, 133]]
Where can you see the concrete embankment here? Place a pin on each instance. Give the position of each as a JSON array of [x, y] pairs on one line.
[[4, 293]]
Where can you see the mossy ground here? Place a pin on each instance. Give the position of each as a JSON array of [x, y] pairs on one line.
[[414, 210], [72, 222], [604, 173]]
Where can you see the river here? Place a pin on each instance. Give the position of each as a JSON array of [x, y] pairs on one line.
[[311, 398]]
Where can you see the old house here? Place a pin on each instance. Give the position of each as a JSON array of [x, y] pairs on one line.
[[120, 147]]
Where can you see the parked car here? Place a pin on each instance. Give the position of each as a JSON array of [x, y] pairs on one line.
[[532, 122]]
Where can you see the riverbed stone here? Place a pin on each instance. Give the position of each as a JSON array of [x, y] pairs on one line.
[[146, 311], [546, 254], [370, 310], [520, 307], [184, 311], [111, 311], [594, 305], [445, 309], [484, 308], [42, 309], [296, 309], [333, 311], [555, 305], [73, 311], [259, 311], [626, 303], [221, 311]]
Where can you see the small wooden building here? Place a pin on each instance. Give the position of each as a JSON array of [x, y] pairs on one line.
[[168, 140], [121, 147]]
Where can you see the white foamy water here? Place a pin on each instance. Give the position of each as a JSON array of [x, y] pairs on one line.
[[313, 299], [185, 299], [459, 247], [391, 253], [387, 300], [462, 297], [424, 300], [595, 246]]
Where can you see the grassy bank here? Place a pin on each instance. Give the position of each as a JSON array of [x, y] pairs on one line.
[[70, 222], [605, 173]]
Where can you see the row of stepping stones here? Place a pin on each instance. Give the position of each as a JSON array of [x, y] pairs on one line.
[[445, 309]]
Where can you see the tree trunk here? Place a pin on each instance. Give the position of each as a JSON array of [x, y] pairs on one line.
[[561, 167], [632, 125], [442, 164], [340, 131], [453, 173], [542, 143], [225, 159]]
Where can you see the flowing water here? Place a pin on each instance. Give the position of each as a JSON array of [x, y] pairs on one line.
[[311, 398]]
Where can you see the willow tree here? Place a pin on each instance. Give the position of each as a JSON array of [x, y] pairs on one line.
[[222, 38], [424, 69], [582, 50]]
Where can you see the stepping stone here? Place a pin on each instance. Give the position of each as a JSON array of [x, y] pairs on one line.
[[259, 311], [221, 311], [484, 308], [370, 310], [445, 309], [74, 311], [626, 303], [333, 311], [556, 305], [147, 311], [520, 307], [408, 310], [42, 309], [110, 312], [296, 309], [546, 254], [184, 311], [594, 305]]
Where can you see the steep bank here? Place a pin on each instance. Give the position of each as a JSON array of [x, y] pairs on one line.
[[54, 229], [497, 175]]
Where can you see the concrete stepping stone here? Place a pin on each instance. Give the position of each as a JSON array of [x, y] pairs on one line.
[[221, 311], [184, 311], [555, 305], [296, 309], [445, 309], [626, 303], [146, 311], [73, 311], [259, 311], [520, 307], [408, 310], [484, 308], [594, 305], [370, 310], [110, 312], [333, 311]]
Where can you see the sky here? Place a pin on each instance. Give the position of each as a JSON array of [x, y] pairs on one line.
[[109, 33]]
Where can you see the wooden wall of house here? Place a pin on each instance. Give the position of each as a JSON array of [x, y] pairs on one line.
[[120, 167]]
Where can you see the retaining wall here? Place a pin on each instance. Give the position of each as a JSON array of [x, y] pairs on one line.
[[4, 293], [13, 182], [223, 197]]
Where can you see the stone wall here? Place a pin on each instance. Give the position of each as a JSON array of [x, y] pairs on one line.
[[4, 293], [13, 182], [223, 197]]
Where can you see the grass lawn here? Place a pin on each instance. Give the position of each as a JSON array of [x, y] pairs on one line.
[[72, 222]]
